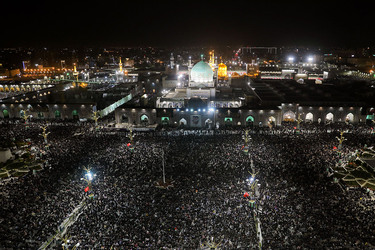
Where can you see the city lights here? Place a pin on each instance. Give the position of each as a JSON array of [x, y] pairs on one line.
[[187, 125]]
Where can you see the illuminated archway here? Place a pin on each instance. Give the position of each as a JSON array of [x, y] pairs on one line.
[[309, 117], [250, 118], [144, 119], [75, 114], [57, 114], [183, 122], [271, 121], [228, 120], [5, 113], [208, 123], [165, 120], [250, 121], [349, 117], [289, 116], [329, 117]]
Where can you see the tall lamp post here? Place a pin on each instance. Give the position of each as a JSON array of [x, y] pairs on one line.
[[341, 139], [164, 182], [44, 134], [25, 117], [131, 145], [96, 116], [88, 179], [66, 241], [245, 147], [161, 151], [299, 121], [253, 183]]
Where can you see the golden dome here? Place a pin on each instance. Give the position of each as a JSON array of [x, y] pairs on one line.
[[235, 74], [222, 70]]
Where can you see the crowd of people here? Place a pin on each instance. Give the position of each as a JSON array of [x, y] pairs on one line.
[[299, 205]]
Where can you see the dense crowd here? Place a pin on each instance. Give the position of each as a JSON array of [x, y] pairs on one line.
[[300, 207]]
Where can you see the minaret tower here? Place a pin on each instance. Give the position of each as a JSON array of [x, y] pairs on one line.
[[172, 61], [212, 60], [119, 72], [189, 67], [75, 72], [120, 65]]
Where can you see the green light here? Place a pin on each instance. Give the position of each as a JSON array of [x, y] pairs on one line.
[[250, 119]]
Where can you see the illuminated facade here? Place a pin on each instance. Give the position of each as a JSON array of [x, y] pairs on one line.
[[201, 75], [222, 70], [212, 62]]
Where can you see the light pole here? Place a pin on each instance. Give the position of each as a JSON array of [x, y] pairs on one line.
[[299, 120], [253, 184], [161, 151], [341, 139], [164, 182], [163, 163], [211, 245], [246, 137], [44, 134], [88, 179], [252, 181], [131, 137], [95, 116], [25, 117], [66, 241]]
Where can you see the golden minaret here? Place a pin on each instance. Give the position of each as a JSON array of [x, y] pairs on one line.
[[120, 64]]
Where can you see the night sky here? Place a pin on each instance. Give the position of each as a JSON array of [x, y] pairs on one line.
[[188, 23]]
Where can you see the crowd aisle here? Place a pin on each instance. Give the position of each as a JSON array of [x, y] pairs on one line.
[[301, 207]]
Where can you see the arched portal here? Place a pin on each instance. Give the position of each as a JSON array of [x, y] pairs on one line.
[[250, 121], [208, 123], [183, 122], [124, 118], [349, 118], [329, 117], [144, 120], [289, 116], [309, 117], [228, 120], [271, 121], [57, 114], [5, 113], [75, 114], [165, 120]]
